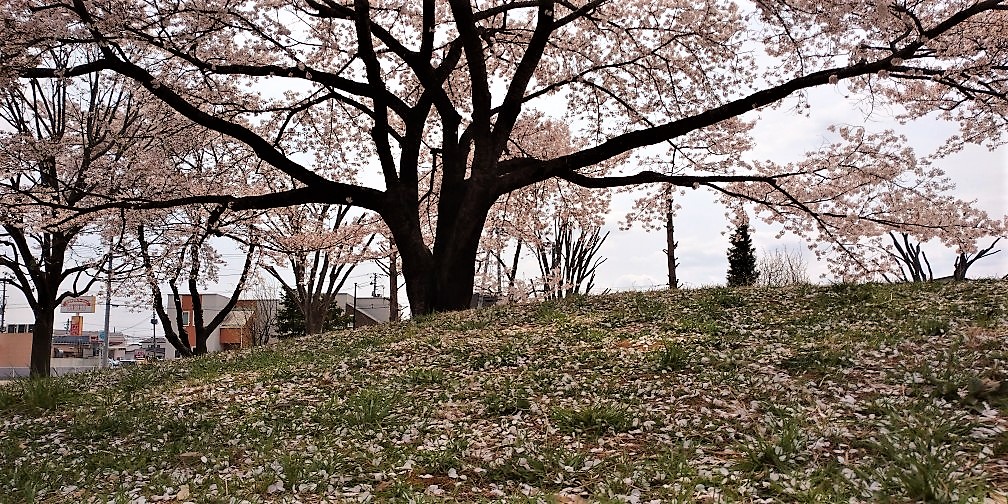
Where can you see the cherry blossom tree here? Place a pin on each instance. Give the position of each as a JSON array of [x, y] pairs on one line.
[[180, 245], [182, 252], [406, 89], [557, 221], [966, 259], [64, 141], [320, 246], [881, 187]]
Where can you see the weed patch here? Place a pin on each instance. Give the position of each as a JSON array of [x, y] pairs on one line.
[[593, 418], [672, 357], [38, 395]]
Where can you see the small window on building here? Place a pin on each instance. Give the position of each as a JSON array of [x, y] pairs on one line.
[[185, 319]]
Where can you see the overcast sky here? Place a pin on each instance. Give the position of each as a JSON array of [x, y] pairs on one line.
[[637, 259]]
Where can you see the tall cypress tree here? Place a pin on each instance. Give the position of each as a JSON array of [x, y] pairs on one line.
[[741, 258]]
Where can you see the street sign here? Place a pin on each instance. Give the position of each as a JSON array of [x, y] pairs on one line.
[[79, 304]]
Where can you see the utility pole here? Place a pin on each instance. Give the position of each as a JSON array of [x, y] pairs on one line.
[[374, 286], [153, 322], [108, 312], [3, 306], [354, 305], [393, 274]]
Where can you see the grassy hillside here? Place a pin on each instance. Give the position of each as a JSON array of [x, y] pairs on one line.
[[809, 394]]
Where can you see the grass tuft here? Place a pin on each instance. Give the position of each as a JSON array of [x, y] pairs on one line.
[[672, 357], [37, 395], [507, 398], [369, 408], [593, 418], [933, 327]]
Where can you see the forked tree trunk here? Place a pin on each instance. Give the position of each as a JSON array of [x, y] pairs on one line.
[[441, 280]]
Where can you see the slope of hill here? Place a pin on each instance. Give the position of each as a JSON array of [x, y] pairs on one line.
[[851, 393]]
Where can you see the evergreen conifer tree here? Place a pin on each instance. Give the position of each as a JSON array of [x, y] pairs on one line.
[[291, 321], [741, 258]]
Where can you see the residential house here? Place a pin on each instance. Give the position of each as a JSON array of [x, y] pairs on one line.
[[365, 310], [212, 304], [241, 328]]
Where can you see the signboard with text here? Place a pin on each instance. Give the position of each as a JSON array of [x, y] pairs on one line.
[[79, 304], [76, 325]]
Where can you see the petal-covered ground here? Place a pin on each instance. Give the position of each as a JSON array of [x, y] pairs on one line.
[[845, 393]]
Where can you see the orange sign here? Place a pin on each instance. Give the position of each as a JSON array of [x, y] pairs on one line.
[[76, 325]]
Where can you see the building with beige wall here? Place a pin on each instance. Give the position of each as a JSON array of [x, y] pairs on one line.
[[68, 353], [15, 353]]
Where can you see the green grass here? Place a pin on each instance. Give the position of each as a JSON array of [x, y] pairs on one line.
[[812, 394], [506, 398], [816, 360], [38, 396], [917, 458], [369, 408], [779, 444], [426, 376], [673, 357], [593, 418], [933, 327]]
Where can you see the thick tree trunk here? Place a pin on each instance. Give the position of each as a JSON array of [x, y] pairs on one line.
[[41, 352], [47, 282], [201, 342], [454, 283], [455, 260], [418, 271], [314, 314], [442, 280]]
